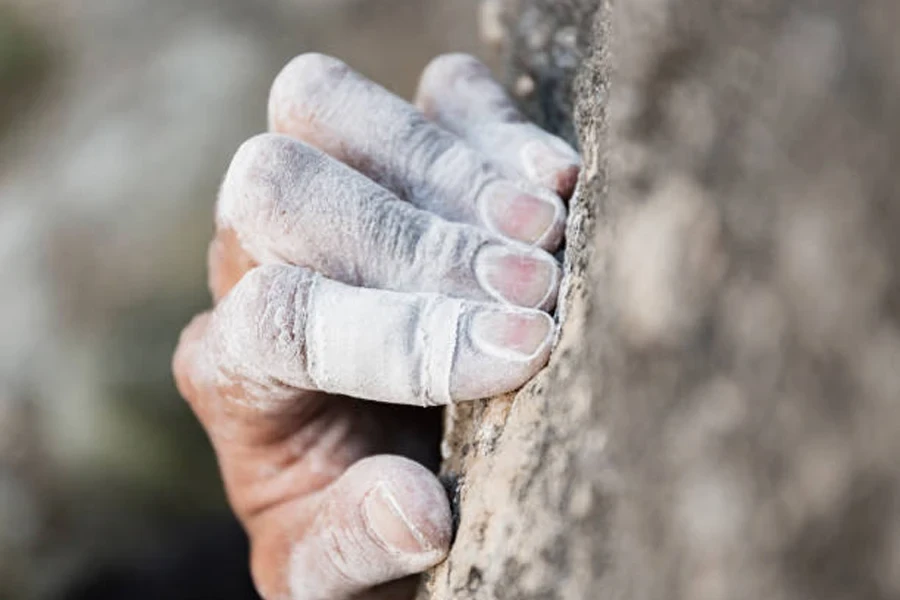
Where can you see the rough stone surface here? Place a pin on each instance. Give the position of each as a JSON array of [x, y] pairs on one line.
[[543, 43], [516, 464], [721, 417]]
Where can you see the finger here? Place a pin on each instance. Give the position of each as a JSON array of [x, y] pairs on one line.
[[385, 518], [458, 92], [285, 201], [285, 328], [323, 102]]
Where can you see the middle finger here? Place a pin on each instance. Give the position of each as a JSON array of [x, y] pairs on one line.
[[286, 202]]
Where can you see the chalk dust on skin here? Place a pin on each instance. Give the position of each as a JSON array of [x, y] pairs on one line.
[[323, 102]]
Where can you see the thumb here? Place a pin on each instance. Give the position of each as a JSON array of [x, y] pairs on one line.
[[385, 518]]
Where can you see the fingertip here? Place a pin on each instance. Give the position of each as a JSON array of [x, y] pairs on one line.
[[406, 509], [551, 163], [387, 517], [518, 335], [565, 181], [499, 350], [553, 236], [533, 217], [522, 276]]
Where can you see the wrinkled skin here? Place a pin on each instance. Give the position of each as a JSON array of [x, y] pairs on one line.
[[371, 258]]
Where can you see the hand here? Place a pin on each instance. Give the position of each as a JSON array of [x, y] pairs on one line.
[[368, 250]]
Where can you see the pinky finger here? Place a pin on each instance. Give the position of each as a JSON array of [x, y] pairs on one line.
[[458, 92]]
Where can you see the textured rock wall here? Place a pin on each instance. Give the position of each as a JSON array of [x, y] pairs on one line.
[[751, 350], [721, 417], [529, 470]]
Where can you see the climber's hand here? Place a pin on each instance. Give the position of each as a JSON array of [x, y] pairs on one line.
[[367, 250]]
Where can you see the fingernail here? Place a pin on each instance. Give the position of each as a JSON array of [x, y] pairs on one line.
[[386, 520], [551, 167], [522, 279], [517, 215], [516, 335]]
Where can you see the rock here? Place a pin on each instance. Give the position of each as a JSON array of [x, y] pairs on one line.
[[720, 419]]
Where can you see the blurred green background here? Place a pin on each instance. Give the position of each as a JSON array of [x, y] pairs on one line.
[[117, 121]]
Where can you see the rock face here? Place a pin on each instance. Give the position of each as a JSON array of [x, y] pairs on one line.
[[721, 417]]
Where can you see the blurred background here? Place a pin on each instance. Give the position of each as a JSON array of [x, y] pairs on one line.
[[117, 121]]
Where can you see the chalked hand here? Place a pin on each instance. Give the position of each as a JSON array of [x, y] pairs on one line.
[[371, 258]]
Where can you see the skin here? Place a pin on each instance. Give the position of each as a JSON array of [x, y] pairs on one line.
[[371, 258]]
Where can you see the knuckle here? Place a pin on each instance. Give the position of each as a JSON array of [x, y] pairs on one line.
[[444, 257], [306, 77], [427, 155], [256, 180], [448, 68], [456, 169], [262, 321], [260, 291], [312, 68]]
